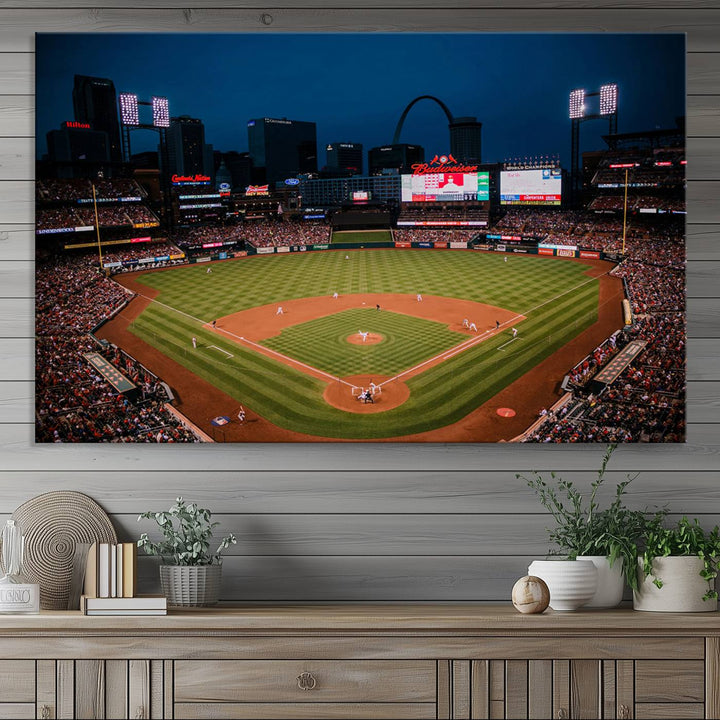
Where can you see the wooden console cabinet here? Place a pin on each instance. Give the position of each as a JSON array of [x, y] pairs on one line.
[[361, 662]]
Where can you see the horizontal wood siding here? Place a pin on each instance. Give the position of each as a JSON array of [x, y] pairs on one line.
[[341, 522]]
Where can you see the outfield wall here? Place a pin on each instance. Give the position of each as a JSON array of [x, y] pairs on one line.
[[438, 245]]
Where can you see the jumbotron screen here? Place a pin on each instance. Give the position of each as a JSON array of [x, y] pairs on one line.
[[531, 187], [444, 187]]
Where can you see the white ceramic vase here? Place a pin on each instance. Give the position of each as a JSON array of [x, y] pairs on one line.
[[571, 582], [610, 582], [682, 589]]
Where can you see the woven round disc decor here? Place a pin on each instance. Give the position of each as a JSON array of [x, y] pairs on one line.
[[52, 524]]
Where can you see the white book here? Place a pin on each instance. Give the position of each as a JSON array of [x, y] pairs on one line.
[[139, 602], [113, 571], [125, 612], [119, 569], [104, 570]]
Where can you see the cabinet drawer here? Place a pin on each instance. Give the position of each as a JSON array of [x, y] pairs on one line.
[[305, 711], [17, 681], [363, 681], [17, 711], [671, 681]]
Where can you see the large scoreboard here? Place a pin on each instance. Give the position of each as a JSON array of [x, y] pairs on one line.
[[445, 187], [531, 187]]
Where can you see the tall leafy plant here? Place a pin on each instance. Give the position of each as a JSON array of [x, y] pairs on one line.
[[583, 527], [187, 530]]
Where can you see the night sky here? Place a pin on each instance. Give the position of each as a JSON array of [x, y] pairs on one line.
[[355, 86]]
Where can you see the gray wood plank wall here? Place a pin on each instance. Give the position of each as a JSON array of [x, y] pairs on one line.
[[338, 522]]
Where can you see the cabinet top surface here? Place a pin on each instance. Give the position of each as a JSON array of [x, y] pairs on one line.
[[370, 619]]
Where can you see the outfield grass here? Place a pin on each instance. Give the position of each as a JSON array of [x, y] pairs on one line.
[[361, 237], [558, 300], [323, 344]]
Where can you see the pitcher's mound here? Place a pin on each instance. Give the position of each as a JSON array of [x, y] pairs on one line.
[[371, 339], [343, 396]]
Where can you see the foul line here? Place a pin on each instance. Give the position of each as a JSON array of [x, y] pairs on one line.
[[221, 350], [507, 343], [473, 341], [263, 349]]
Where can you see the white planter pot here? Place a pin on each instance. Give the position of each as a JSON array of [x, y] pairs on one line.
[[571, 582], [682, 589], [610, 582]]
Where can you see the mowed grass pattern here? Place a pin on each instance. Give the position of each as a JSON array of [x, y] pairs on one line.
[[323, 343], [558, 299]]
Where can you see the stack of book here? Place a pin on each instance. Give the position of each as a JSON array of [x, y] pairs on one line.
[[110, 586]]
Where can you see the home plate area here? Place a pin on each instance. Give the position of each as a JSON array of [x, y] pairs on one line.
[[347, 394]]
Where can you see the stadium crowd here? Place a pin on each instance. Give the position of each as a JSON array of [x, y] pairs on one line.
[[423, 234], [132, 256], [56, 190], [74, 402], [196, 236], [113, 216], [268, 233], [646, 402]]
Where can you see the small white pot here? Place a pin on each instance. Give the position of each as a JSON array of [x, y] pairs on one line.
[[610, 582], [571, 582], [682, 589]]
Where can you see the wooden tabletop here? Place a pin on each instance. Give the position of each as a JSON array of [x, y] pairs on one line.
[[370, 619]]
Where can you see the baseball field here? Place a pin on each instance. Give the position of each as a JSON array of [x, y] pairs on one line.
[[433, 330]]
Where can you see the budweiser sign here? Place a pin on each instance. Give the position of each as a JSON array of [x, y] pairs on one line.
[[442, 164]]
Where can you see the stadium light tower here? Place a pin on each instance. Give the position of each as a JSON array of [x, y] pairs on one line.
[[130, 119], [579, 113]]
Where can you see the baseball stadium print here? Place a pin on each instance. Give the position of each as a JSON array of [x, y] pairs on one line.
[[360, 238]]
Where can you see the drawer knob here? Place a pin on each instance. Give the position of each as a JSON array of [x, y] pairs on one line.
[[624, 713], [562, 715], [306, 681], [45, 712]]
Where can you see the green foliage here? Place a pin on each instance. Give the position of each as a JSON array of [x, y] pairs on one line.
[[186, 530], [686, 538], [584, 528]]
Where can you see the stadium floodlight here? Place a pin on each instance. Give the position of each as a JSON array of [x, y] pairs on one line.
[[577, 104], [161, 112], [608, 99], [129, 109]]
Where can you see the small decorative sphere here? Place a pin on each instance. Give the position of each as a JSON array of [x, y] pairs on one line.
[[530, 594]]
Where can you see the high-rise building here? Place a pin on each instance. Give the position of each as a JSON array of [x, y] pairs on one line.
[[95, 103], [284, 148], [188, 153], [345, 156], [466, 139], [240, 166], [394, 158], [78, 151]]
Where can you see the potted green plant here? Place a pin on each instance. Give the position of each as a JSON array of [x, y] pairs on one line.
[[605, 536], [190, 573], [677, 568]]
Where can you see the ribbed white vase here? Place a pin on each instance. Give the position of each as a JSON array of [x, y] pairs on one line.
[[610, 582], [682, 589], [571, 582]]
